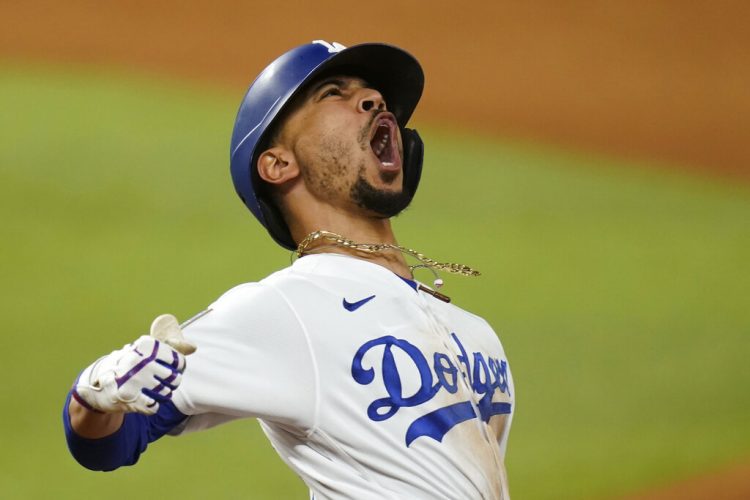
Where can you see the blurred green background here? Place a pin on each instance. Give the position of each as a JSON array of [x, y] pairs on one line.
[[591, 159], [620, 290]]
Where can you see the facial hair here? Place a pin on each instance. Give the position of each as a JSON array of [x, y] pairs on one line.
[[324, 182], [383, 203]]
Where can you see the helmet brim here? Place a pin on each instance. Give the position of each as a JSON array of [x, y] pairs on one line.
[[395, 73]]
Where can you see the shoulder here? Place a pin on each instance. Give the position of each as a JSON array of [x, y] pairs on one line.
[[260, 304], [468, 322], [467, 316], [254, 295], [244, 311]]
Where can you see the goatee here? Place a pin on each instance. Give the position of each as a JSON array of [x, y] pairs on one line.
[[384, 203]]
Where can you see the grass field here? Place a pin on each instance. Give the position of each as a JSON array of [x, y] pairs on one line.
[[620, 291]]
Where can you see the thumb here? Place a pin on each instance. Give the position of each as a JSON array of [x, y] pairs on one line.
[[166, 329]]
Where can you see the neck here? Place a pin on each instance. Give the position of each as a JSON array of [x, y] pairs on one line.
[[362, 230]]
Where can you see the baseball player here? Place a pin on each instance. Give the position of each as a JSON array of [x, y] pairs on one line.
[[369, 383]]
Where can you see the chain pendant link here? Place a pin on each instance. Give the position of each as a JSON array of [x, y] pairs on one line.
[[338, 240]]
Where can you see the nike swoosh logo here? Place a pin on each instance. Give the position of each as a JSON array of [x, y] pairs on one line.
[[353, 306]]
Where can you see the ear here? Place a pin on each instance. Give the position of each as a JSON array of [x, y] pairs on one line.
[[277, 165]]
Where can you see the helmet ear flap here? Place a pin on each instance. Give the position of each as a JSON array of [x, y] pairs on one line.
[[275, 224], [413, 157]]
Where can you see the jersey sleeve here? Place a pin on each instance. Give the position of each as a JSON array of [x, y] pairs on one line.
[[253, 360]]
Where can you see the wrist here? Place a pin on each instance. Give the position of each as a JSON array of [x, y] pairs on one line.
[[91, 423], [82, 402]]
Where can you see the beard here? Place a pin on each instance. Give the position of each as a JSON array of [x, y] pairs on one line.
[[325, 170], [382, 202]]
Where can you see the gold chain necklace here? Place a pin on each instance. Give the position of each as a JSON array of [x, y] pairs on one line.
[[338, 240]]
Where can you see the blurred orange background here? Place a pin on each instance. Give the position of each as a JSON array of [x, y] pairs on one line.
[[658, 80]]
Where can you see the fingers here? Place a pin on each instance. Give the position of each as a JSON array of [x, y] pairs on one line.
[[164, 384], [166, 329], [143, 404], [157, 396], [171, 380], [147, 374], [150, 349], [146, 398], [181, 344], [141, 375], [164, 326], [168, 356]]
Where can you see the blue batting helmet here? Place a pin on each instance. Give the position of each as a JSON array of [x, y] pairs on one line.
[[396, 74]]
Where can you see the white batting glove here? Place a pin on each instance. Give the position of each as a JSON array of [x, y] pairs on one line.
[[139, 376]]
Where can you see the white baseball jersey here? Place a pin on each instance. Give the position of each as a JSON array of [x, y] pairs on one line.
[[366, 387]]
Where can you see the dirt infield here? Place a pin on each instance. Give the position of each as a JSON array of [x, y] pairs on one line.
[[638, 79], [730, 484]]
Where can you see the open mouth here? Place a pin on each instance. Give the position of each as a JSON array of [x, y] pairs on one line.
[[384, 142]]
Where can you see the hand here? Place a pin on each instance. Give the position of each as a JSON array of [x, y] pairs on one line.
[[139, 376]]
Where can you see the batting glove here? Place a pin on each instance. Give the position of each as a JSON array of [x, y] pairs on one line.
[[139, 376]]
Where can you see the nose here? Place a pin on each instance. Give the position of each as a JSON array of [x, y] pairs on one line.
[[370, 99]]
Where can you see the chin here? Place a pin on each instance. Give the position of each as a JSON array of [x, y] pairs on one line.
[[383, 202]]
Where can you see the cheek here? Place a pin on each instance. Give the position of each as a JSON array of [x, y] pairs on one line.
[[316, 132], [328, 162], [327, 142]]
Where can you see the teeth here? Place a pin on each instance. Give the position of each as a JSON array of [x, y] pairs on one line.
[[380, 146]]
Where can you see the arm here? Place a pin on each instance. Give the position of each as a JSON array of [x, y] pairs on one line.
[[123, 446], [253, 361], [91, 424], [122, 401]]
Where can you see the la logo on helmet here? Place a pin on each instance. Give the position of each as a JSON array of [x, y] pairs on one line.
[[332, 47]]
